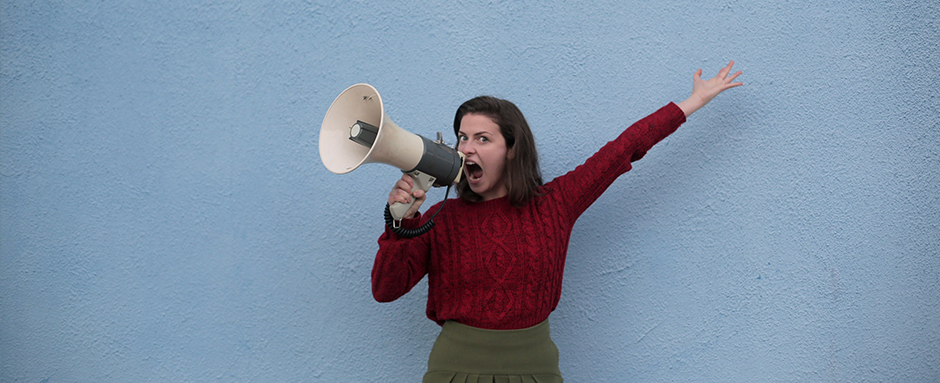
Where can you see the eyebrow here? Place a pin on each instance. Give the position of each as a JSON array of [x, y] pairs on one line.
[[477, 134]]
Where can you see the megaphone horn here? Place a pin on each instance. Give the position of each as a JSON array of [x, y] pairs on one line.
[[356, 130]]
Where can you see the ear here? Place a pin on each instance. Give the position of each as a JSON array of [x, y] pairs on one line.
[[511, 153]]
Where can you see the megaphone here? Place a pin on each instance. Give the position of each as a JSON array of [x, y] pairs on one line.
[[356, 130]]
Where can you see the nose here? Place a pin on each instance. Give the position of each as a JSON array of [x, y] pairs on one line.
[[466, 147]]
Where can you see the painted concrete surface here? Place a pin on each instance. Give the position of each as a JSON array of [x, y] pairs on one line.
[[164, 214]]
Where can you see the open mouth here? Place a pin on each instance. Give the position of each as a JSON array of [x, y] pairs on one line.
[[474, 171]]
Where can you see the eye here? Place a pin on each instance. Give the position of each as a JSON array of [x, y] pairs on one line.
[[484, 139], [461, 138]]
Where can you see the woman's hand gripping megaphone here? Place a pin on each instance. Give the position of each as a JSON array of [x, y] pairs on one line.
[[408, 194]]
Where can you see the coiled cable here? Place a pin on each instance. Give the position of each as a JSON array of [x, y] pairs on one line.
[[411, 233]]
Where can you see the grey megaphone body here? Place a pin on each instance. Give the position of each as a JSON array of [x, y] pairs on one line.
[[356, 130]]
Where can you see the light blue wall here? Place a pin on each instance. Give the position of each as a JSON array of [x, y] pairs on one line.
[[164, 214]]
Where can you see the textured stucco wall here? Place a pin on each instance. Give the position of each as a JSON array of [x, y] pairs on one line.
[[164, 215]]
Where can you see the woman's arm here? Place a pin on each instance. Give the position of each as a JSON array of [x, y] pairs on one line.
[[704, 91], [401, 262], [578, 189]]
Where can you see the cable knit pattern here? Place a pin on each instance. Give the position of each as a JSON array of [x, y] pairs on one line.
[[494, 266]]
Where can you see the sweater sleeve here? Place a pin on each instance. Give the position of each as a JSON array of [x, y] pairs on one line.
[[400, 262], [579, 188]]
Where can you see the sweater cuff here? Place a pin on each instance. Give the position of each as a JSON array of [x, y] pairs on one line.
[[406, 223], [411, 223], [669, 117], [676, 115]]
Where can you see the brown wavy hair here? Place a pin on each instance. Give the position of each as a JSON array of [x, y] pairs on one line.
[[523, 176]]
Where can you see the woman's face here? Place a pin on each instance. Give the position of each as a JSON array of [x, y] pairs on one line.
[[483, 144]]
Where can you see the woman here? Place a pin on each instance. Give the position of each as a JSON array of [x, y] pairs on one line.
[[496, 255]]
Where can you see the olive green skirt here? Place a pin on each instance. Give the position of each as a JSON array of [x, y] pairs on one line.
[[465, 354]]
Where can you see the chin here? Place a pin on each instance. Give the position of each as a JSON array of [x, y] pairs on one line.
[[479, 191]]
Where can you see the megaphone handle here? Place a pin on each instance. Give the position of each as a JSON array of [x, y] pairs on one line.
[[422, 181]]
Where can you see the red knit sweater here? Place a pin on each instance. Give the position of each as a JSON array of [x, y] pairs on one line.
[[494, 266]]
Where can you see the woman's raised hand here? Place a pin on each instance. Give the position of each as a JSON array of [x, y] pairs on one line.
[[704, 91], [402, 192]]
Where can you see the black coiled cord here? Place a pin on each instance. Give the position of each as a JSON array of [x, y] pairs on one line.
[[411, 233]]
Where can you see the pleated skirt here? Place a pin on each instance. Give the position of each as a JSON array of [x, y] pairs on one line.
[[465, 354]]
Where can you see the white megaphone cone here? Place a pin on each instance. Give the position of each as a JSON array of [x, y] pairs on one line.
[[356, 131]]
